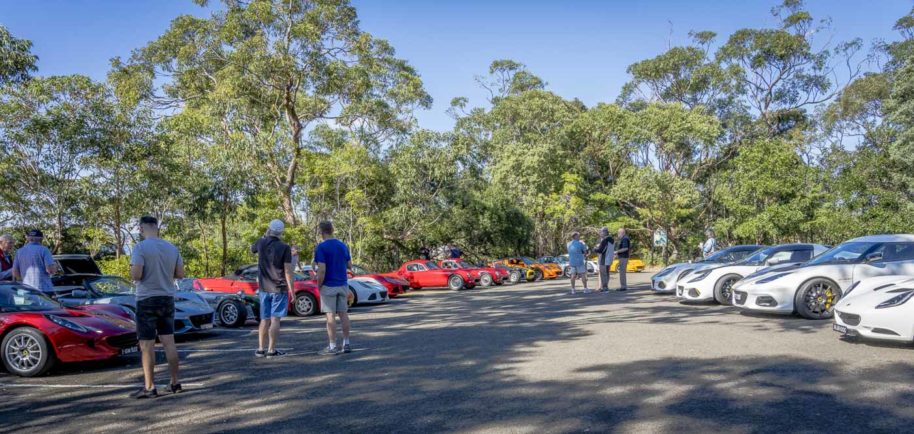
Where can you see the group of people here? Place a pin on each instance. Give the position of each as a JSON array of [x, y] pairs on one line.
[[450, 252], [156, 263], [608, 249]]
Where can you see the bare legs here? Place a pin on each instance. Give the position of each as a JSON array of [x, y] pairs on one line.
[[331, 327], [148, 356], [268, 333]]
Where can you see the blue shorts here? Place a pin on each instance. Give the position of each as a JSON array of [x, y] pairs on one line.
[[274, 304]]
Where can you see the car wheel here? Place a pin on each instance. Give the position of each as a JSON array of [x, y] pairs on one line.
[[485, 279], [232, 313], [723, 289], [537, 275], [26, 352], [455, 282], [816, 299], [304, 305], [514, 277]]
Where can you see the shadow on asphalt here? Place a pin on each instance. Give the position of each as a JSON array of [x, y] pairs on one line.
[[444, 364]]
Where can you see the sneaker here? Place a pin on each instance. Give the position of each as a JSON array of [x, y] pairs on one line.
[[275, 353], [604, 289], [623, 289], [174, 388], [346, 348], [329, 351], [572, 292], [144, 393], [587, 291], [260, 353]]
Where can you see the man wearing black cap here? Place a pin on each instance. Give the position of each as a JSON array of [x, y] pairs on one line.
[[34, 264]]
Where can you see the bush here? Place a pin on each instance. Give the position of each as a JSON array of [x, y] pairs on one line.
[[116, 267]]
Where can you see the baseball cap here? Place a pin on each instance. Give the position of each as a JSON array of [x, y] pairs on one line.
[[35, 233], [277, 226]]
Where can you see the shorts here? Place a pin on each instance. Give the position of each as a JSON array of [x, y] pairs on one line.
[[155, 316], [274, 304], [579, 269], [334, 299]]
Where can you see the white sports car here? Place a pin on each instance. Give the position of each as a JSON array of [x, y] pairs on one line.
[[367, 291], [878, 308], [665, 281], [813, 289], [716, 283]]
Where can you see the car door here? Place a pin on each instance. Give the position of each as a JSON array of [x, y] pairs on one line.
[[899, 258], [873, 264]]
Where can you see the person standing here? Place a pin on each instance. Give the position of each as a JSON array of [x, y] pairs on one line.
[[455, 252], [709, 247], [605, 250], [333, 264], [424, 253], [296, 264], [622, 249], [275, 278], [33, 264], [6, 259], [154, 266], [576, 251]]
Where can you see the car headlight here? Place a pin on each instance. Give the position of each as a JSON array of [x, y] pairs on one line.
[[848, 292], [66, 323], [684, 272], [897, 300], [700, 275], [773, 278]]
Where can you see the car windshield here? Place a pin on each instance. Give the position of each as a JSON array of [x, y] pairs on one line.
[[729, 255], [465, 264], [358, 269], [431, 265], [548, 260], [112, 285], [20, 298], [759, 257], [528, 261], [847, 253]]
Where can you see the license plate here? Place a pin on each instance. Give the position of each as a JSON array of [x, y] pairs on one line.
[[207, 326], [130, 350], [839, 328]]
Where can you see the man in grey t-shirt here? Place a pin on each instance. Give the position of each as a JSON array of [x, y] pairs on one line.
[[154, 265]]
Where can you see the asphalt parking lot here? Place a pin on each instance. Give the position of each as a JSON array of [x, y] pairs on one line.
[[527, 358]]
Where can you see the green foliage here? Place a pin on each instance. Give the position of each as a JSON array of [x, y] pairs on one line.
[[16, 58]]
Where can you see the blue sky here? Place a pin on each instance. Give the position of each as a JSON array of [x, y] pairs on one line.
[[580, 47]]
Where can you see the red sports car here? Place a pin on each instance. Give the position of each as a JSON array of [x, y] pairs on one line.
[[37, 332], [303, 301], [484, 276], [427, 274], [395, 285]]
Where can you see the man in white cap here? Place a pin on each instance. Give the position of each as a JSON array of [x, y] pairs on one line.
[[275, 277]]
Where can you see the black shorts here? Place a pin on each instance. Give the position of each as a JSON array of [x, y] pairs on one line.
[[155, 316]]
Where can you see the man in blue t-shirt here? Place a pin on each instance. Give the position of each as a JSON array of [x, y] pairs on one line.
[[333, 265]]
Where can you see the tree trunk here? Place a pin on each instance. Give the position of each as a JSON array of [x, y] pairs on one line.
[[205, 250], [222, 219]]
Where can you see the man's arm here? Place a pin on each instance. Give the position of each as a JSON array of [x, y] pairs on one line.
[[17, 275], [321, 273], [290, 276], [623, 249], [136, 272], [179, 270], [50, 265]]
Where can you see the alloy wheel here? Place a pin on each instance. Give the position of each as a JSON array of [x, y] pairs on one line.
[[24, 352], [820, 298]]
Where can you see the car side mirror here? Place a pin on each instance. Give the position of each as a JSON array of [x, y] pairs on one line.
[[775, 261], [79, 293], [873, 257]]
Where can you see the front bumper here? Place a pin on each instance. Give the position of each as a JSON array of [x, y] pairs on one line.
[[764, 299], [193, 323], [693, 291], [74, 348], [882, 324], [665, 284]]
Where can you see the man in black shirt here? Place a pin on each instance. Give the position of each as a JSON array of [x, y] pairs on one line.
[[275, 277], [605, 249], [622, 248]]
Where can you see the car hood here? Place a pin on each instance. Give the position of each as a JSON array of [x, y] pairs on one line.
[[800, 272], [100, 321], [780, 268]]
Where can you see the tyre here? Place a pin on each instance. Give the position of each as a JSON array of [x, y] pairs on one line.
[[537, 275], [514, 277], [567, 272], [232, 313], [816, 298], [304, 304], [723, 289], [485, 279], [26, 352], [455, 282]]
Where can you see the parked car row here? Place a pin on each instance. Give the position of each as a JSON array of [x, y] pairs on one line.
[[864, 283]]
